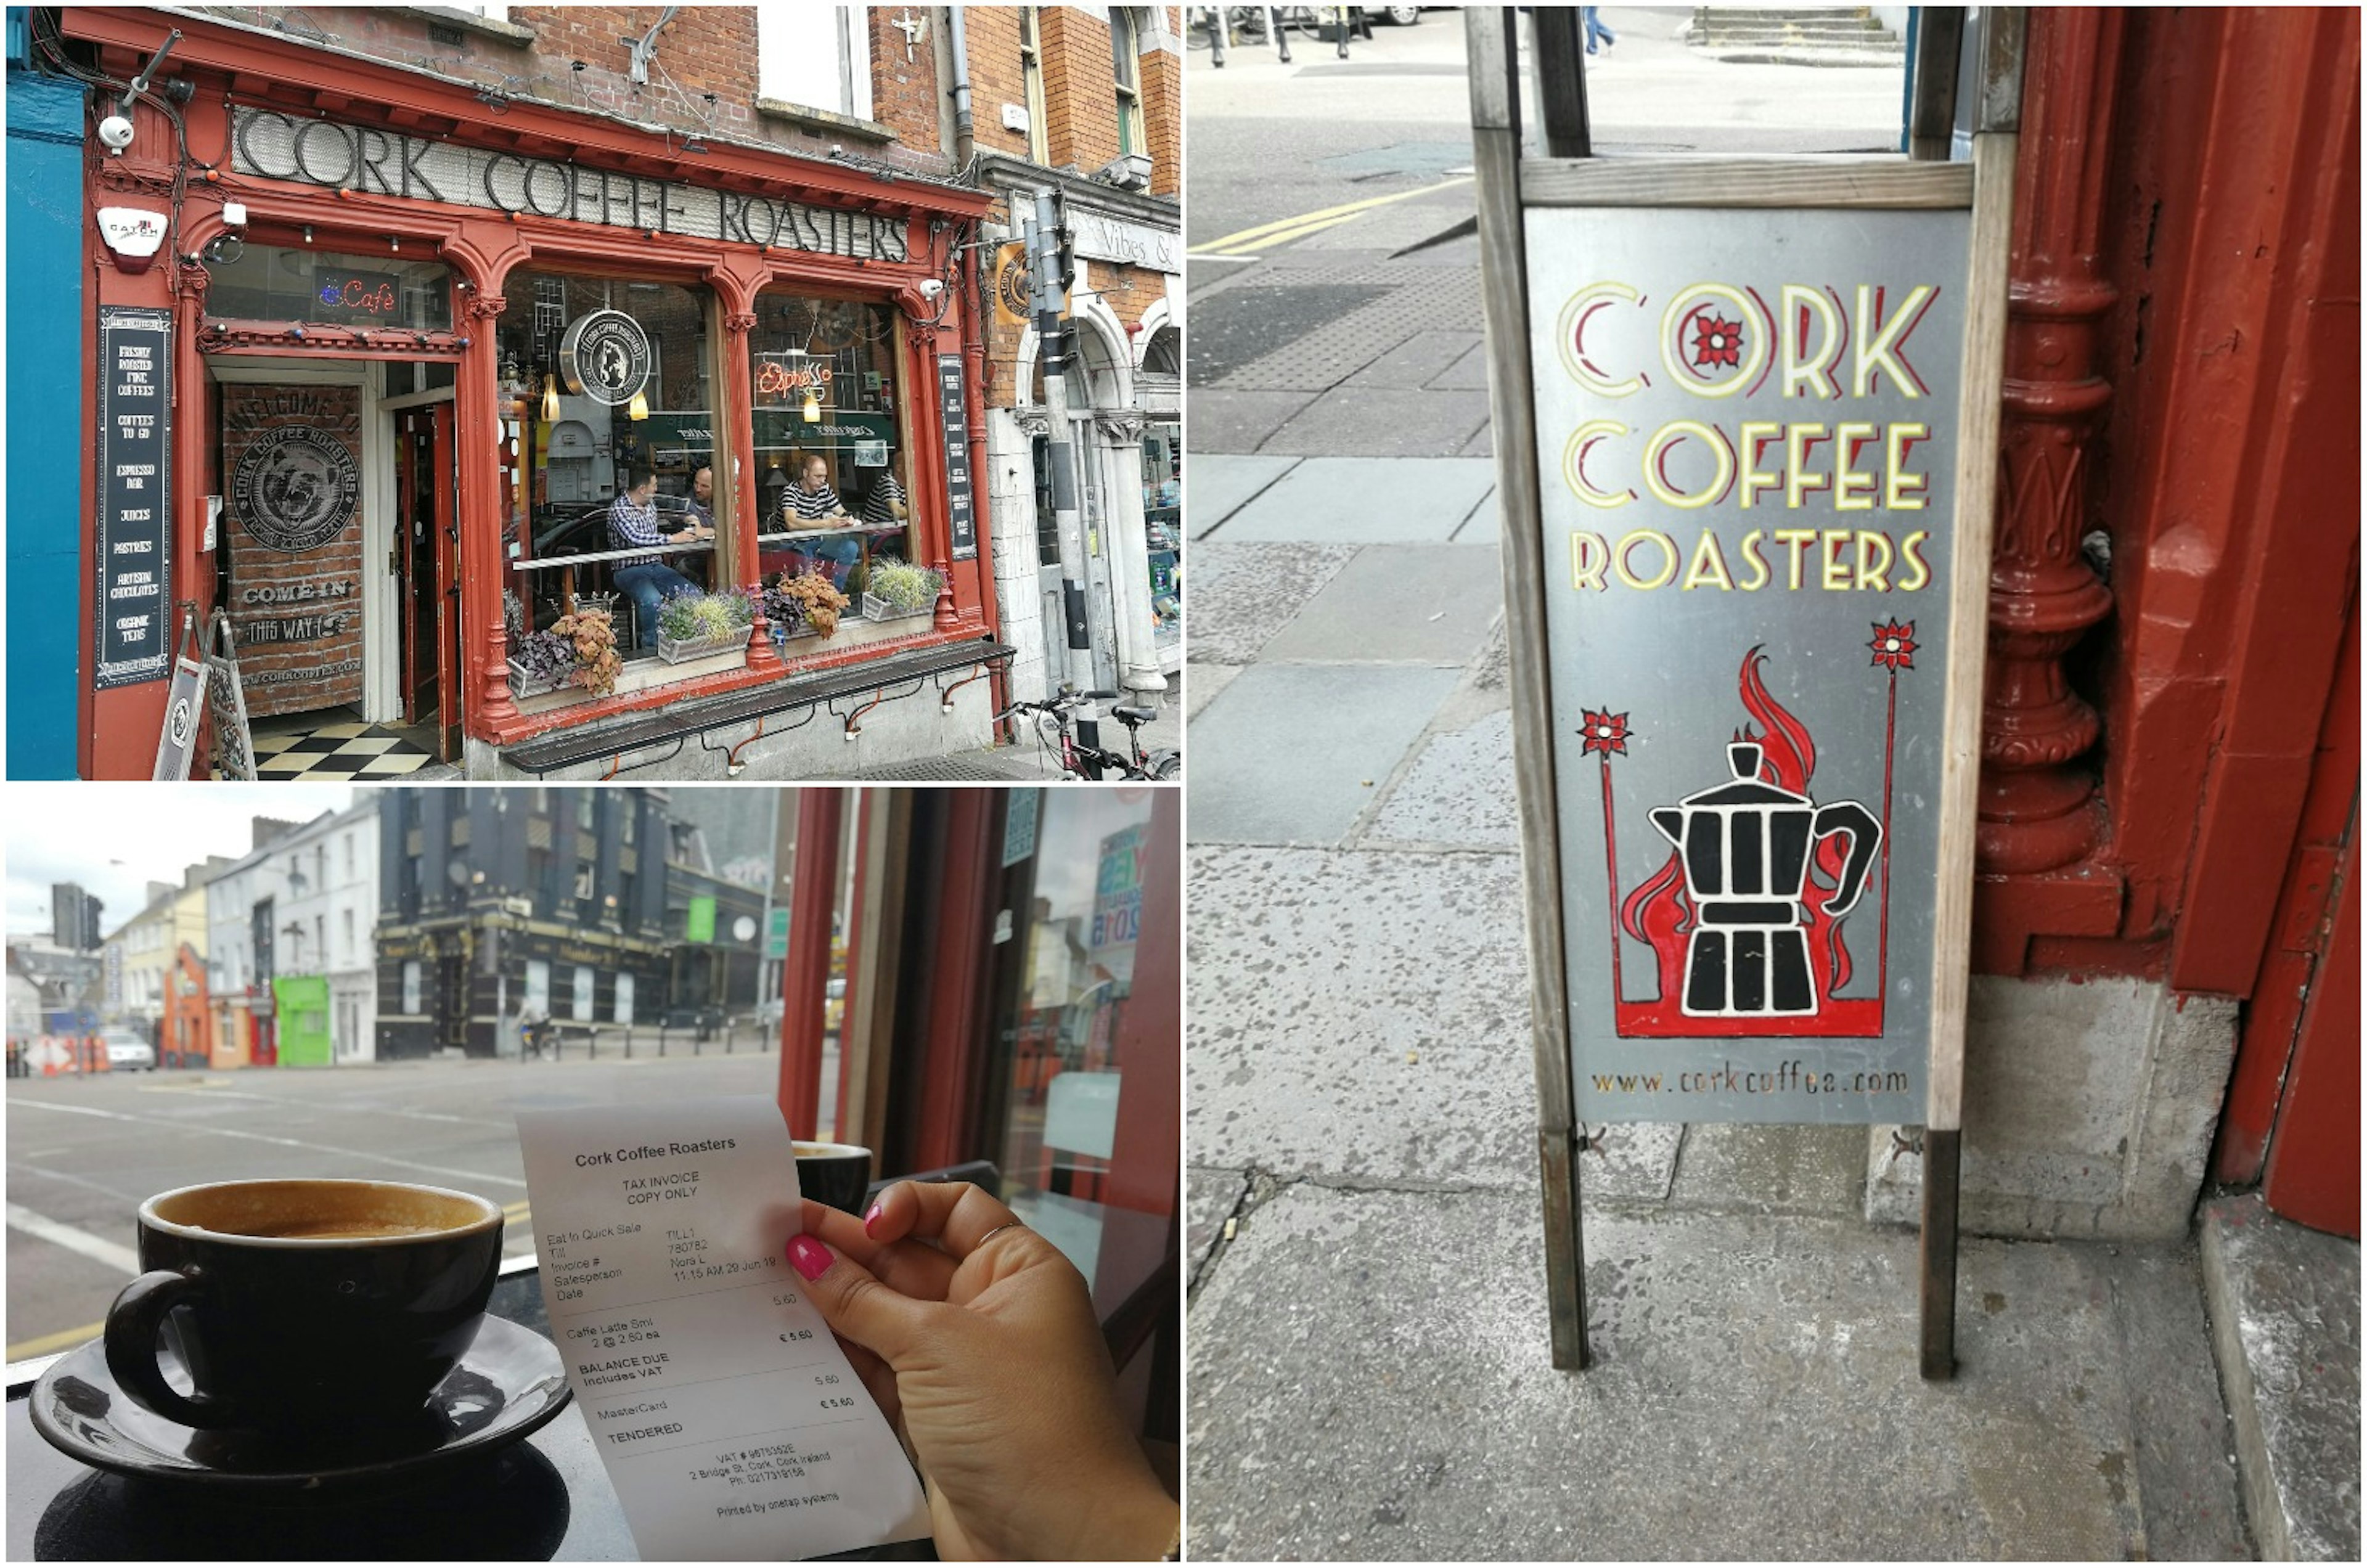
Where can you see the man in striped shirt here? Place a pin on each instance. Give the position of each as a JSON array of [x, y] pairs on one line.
[[811, 500], [633, 520], [884, 502]]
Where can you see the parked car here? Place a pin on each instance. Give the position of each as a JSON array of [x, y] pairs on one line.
[[127, 1052]]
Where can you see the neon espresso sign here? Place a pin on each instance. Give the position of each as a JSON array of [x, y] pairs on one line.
[[371, 161], [790, 376]]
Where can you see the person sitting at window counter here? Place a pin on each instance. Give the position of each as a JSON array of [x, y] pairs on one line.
[[811, 501], [884, 502], [702, 498], [633, 520]]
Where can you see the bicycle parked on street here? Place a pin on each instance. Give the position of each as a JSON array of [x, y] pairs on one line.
[[1055, 723]]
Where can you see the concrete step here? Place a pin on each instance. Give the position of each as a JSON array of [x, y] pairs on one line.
[[1842, 28], [2284, 1325]]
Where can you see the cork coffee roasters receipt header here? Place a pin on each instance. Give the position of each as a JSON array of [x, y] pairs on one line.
[[731, 1423]]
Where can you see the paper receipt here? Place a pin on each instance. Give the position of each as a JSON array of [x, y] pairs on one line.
[[731, 1423]]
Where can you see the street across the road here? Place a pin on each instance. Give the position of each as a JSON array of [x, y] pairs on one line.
[[84, 1153]]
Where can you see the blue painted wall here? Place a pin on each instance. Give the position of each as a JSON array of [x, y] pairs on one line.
[[48, 392]]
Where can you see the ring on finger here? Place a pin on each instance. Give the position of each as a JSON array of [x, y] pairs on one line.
[[1007, 1225]]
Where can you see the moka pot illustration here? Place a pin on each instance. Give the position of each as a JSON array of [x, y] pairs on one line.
[[1747, 846]]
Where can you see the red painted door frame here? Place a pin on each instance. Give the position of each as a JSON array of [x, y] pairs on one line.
[[954, 1055], [2313, 1173], [805, 976], [2301, 953], [1150, 1038]]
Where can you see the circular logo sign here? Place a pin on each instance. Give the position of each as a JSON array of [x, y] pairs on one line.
[[295, 487], [1011, 286], [607, 356]]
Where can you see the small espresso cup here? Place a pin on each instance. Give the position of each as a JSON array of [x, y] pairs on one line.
[[835, 1174], [304, 1306]]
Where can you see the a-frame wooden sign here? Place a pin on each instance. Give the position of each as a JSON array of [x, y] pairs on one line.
[[1746, 423]]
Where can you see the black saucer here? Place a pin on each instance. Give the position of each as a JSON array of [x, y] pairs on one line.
[[508, 1385]]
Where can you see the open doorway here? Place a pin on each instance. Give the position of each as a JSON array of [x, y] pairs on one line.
[[336, 557], [426, 564]]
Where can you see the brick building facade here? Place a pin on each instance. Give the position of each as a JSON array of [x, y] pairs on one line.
[[1052, 111]]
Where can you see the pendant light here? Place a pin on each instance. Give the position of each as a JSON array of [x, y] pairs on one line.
[[813, 406], [551, 399], [638, 409]]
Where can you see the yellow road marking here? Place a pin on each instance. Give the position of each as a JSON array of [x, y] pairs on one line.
[[1281, 238], [1267, 233], [49, 1342]]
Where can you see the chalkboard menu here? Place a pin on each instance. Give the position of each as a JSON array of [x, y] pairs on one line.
[[960, 521], [135, 540]]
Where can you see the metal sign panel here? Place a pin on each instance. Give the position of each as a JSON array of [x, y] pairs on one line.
[[962, 521], [135, 475], [1746, 450]]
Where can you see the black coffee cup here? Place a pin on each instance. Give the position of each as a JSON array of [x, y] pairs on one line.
[[835, 1174], [304, 1306]]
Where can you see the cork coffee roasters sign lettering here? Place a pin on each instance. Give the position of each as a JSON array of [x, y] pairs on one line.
[[296, 489], [379, 163]]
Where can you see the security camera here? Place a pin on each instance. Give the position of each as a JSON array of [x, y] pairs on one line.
[[931, 287], [116, 131]]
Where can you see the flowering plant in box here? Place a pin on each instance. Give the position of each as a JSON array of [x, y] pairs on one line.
[[705, 617], [594, 638], [819, 601]]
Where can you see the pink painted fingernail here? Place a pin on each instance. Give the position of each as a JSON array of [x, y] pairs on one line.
[[870, 1216], [809, 1257]]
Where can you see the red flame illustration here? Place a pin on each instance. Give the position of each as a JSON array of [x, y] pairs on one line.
[[1661, 913]]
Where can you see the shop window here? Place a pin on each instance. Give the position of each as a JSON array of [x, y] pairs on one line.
[[538, 987], [600, 378], [1162, 363], [1031, 69], [299, 283], [623, 1011], [410, 988], [1075, 956], [1048, 516], [1125, 46], [832, 484], [1163, 521], [817, 57], [585, 978], [405, 377]]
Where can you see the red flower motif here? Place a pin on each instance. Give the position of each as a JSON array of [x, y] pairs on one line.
[[1605, 732], [1716, 341], [1894, 645]]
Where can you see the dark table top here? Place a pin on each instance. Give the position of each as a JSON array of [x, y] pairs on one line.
[[547, 1496]]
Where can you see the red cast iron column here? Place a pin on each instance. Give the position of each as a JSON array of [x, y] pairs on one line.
[[484, 515], [2038, 807]]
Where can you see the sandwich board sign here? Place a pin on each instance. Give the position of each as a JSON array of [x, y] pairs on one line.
[[1746, 416]]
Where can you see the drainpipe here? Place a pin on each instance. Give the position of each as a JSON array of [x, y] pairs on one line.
[[964, 123]]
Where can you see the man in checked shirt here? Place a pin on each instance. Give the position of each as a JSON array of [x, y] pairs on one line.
[[633, 520]]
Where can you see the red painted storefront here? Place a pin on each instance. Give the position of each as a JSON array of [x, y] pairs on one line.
[[2171, 730], [871, 219]]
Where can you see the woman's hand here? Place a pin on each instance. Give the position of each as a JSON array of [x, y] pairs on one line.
[[979, 1339]]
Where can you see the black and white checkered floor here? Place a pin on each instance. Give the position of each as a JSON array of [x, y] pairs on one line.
[[338, 751]]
